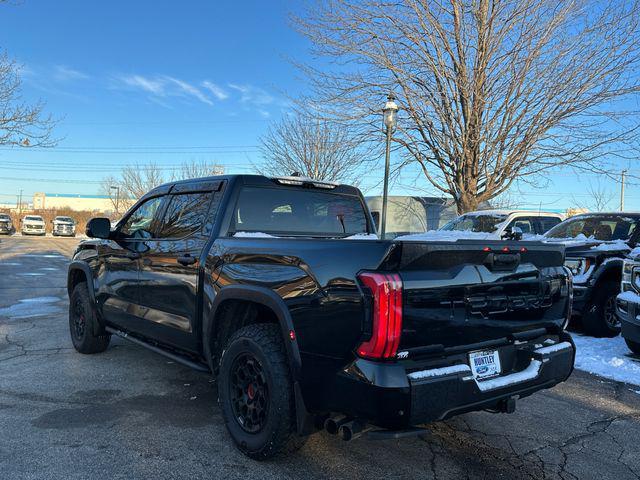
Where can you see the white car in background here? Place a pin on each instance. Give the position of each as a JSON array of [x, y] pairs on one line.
[[497, 223], [33, 225], [63, 226]]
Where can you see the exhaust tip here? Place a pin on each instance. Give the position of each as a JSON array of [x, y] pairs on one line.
[[332, 424], [345, 433]]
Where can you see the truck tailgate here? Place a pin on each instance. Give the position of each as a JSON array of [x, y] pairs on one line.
[[466, 293]]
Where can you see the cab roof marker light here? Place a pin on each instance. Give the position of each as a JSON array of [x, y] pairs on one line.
[[324, 185]]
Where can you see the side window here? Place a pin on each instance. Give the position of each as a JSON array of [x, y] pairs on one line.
[[140, 223], [186, 214], [547, 223], [524, 224]]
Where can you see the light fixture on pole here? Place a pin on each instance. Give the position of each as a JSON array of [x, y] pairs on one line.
[[390, 120], [117, 189]]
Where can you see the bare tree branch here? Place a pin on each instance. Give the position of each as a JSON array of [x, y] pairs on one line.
[[491, 91], [315, 148], [21, 124]]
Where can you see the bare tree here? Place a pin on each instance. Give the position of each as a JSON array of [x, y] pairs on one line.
[[21, 124], [490, 90], [317, 149], [198, 168], [137, 179], [598, 198]]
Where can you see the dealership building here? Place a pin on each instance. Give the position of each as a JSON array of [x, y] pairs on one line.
[[54, 201]]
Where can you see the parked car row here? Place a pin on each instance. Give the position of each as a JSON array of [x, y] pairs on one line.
[[600, 253], [36, 225]]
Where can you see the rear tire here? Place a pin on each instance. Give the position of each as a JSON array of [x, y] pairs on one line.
[[83, 323], [255, 393], [633, 346], [600, 318]]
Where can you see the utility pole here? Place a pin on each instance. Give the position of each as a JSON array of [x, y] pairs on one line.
[[623, 175], [20, 204]]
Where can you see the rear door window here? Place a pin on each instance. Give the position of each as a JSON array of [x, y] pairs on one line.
[[185, 215]]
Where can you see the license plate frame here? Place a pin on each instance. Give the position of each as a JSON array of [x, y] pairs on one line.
[[485, 364]]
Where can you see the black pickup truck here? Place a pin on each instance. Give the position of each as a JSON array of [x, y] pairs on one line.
[[280, 289], [595, 247]]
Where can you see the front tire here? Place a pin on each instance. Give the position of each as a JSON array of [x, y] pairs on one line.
[[255, 393], [600, 318], [83, 323]]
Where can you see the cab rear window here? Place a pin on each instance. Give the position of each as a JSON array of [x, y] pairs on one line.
[[302, 212]]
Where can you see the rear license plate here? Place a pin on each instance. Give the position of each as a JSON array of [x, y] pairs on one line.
[[485, 363]]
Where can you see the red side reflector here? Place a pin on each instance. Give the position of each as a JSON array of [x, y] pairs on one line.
[[505, 249], [523, 250], [292, 335], [386, 289], [486, 249]]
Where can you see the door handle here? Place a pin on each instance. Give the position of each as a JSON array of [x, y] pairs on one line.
[[187, 260]]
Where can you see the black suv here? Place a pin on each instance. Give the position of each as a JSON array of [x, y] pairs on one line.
[[280, 288], [596, 245]]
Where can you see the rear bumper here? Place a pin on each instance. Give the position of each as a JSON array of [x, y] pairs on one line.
[[389, 396], [629, 315]]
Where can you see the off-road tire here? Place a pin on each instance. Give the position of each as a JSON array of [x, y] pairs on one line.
[[261, 343], [83, 323], [594, 319], [633, 346]]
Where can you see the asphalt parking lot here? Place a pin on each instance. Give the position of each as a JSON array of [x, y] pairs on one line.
[[128, 413]]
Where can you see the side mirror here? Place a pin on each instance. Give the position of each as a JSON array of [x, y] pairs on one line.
[[99, 228], [513, 233]]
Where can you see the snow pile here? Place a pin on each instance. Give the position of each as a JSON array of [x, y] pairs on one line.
[[448, 236], [607, 357], [634, 254], [611, 246], [253, 235], [632, 297], [362, 236]]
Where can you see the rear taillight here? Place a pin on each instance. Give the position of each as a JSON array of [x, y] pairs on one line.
[[386, 289]]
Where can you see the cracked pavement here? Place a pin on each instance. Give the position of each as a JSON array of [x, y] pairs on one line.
[[129, 413]]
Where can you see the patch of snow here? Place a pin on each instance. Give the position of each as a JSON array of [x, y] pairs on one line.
[[610, 246], [253, 235], [447, 236], [634, 254], [32, 307], [607, 357], [362, 236], [557, 347], [632, 297], [40, 300], [439, 372]]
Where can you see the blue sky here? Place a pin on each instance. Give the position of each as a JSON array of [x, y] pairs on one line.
[[168, 82]]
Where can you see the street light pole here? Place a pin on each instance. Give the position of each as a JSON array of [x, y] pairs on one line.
[[117, 189], [622, 181], [390, 118]]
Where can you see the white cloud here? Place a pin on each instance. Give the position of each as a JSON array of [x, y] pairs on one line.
[[253, 95], [218, 92], [165, 86], [63, 73], [138, 81], [190, 90]]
